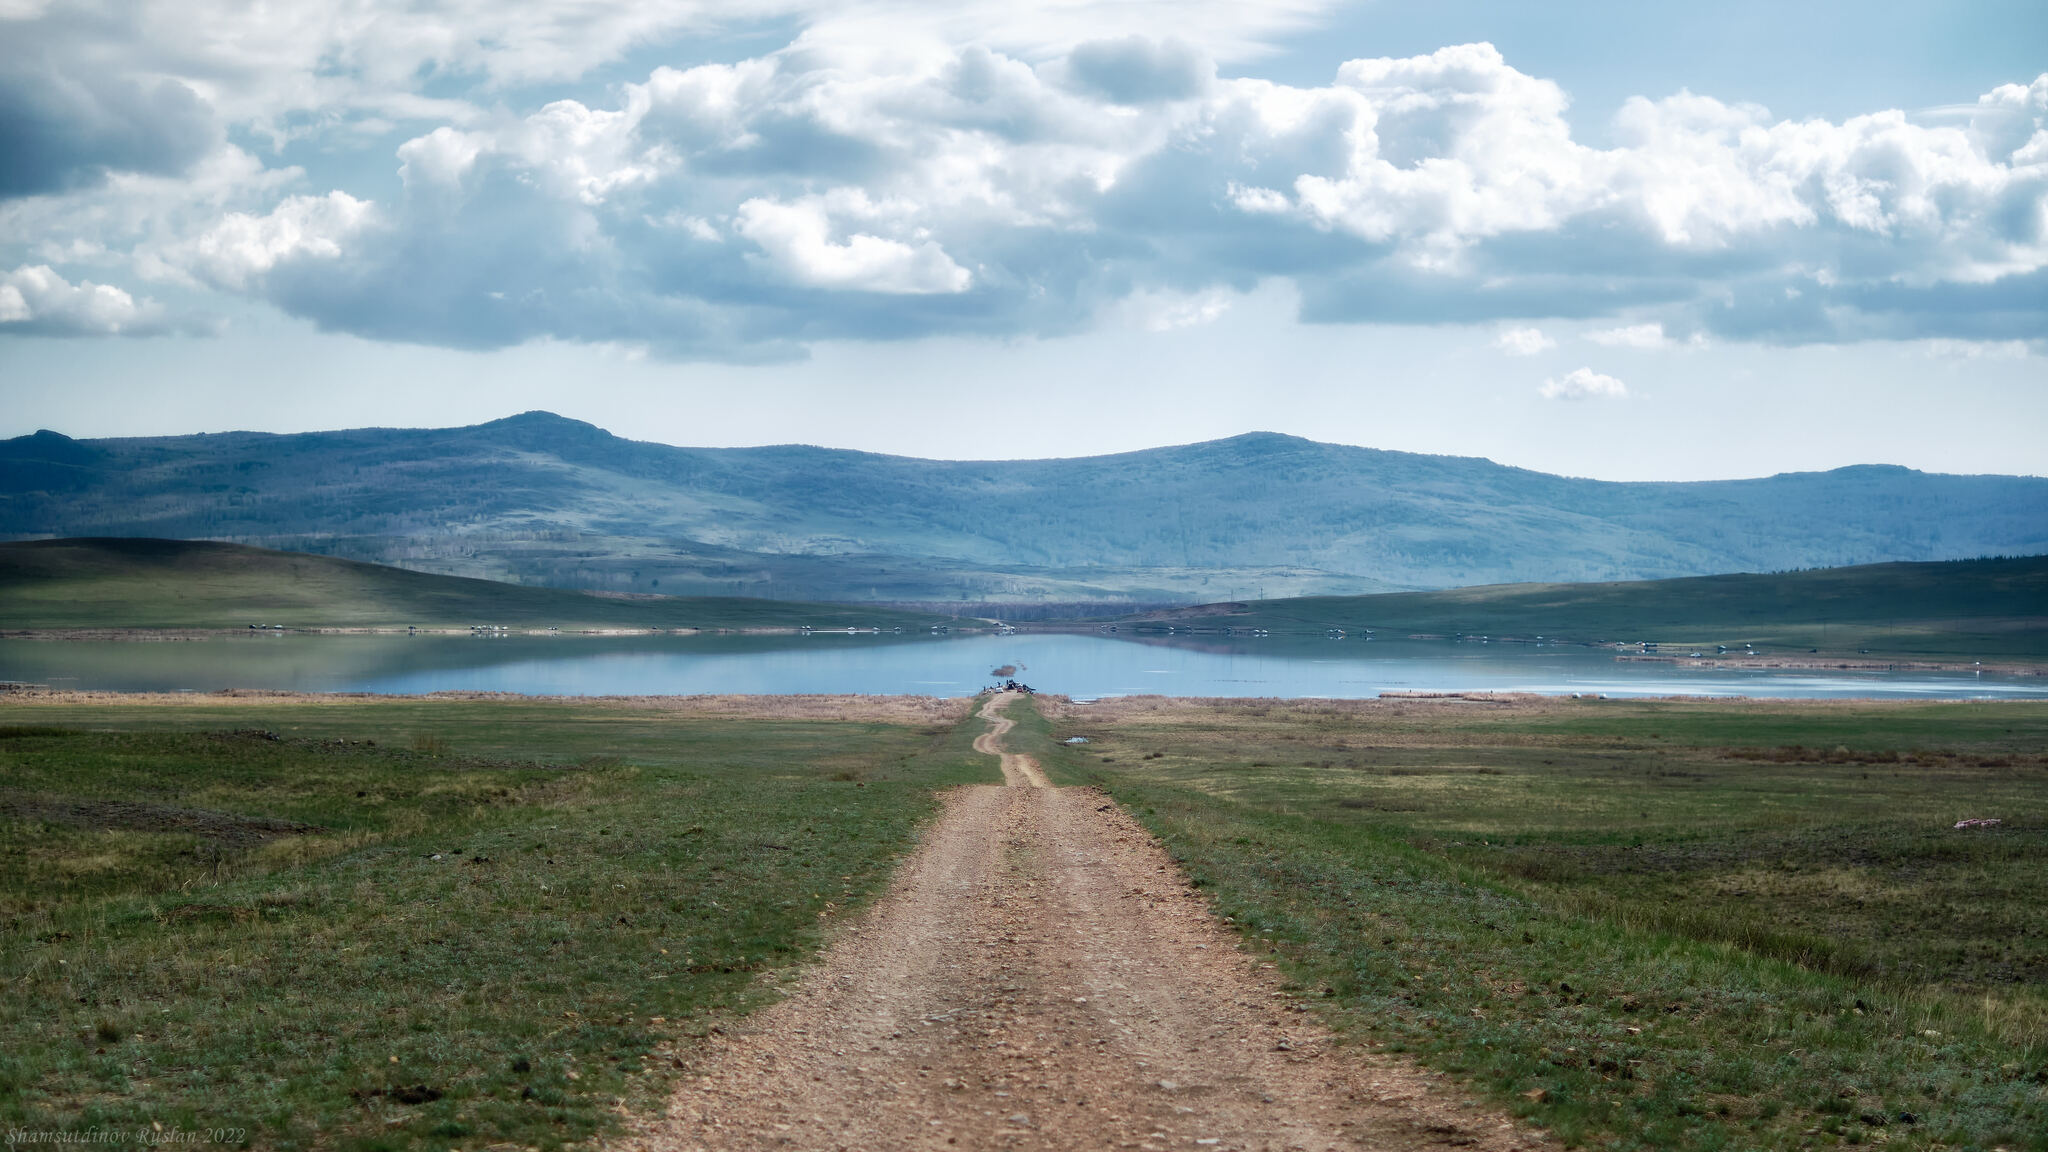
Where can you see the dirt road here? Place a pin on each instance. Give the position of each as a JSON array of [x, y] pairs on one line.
[[1040, 976], [1019, 771]]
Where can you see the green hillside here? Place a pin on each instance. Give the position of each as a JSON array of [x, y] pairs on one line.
[[537, 499], [143, 583], [1964, 609]]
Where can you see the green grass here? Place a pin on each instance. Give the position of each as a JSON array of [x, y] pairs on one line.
[[1955, 610], [137, 583], [417, 924], [1640, 925]]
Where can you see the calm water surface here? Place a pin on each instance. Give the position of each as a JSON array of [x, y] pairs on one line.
[[1082, 666]]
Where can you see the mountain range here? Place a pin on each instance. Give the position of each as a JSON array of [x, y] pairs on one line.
[[542, 499]]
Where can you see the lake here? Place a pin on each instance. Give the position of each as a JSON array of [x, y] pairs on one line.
[[1082, 666]]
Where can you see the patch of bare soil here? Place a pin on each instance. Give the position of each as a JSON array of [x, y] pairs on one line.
[[226, 828], [1042, 977]]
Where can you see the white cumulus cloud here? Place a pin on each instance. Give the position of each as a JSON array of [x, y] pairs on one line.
[[797, 238], [1631, 336], [34, 298], [1523, 341], [1583, 384], [242, 247]]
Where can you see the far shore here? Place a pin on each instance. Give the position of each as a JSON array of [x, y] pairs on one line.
[[1817, 662], [1630, 653], [148, 635], [1826, 663]]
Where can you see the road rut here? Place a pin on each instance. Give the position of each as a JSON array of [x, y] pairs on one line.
[[1041, 976]]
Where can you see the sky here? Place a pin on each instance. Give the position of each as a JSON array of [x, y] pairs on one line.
[[1623, 240]]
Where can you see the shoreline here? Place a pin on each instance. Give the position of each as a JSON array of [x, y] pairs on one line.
[[19, 693], [1622, 653], [1841, 662], [1824, 663], [186, 635], [820, 706]]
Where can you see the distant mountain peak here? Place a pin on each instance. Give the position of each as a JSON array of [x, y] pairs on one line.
[[43, 444], [1260, 444], [543, 431], [1260, 437], [539, 418]]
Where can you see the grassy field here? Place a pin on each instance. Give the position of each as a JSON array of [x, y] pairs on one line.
[[1958, 610], [364, 923], [1643, 925], [121, 583], [389, 924]]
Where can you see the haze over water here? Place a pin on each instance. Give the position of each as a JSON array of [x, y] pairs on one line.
[[1080, 666]]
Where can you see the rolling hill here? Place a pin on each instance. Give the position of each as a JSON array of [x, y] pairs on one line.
[[145, 583], [1969, 609], [539, 499]]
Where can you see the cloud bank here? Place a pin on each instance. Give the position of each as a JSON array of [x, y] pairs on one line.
[[896, 171]]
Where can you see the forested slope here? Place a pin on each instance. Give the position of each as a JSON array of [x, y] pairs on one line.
[[538, 497], [1951, 610]]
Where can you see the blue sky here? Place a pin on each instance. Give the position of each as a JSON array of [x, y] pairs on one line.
[[1607, 239]]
